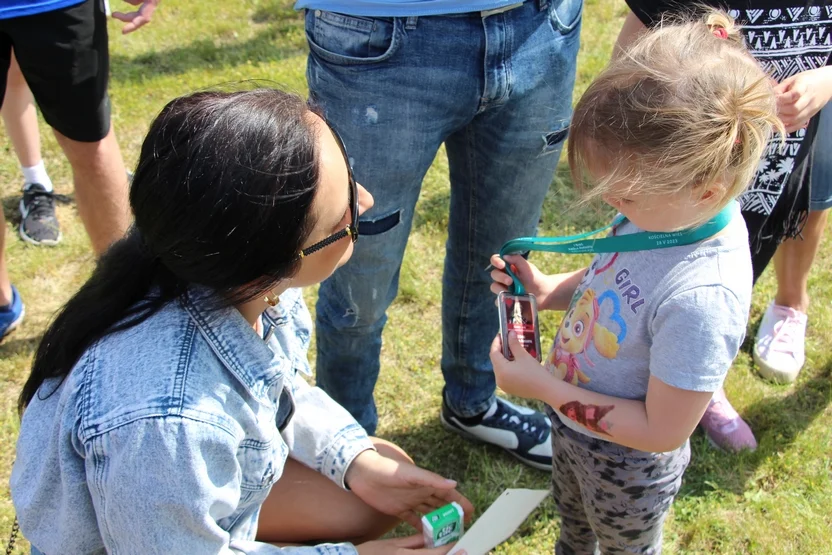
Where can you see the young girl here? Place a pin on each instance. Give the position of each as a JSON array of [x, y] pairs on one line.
[[789, 38], [669, 134], [166, 411]]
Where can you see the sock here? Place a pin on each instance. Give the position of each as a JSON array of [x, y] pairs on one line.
[[37, 174]]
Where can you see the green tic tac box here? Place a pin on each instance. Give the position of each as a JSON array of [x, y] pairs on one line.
[[443, 526]]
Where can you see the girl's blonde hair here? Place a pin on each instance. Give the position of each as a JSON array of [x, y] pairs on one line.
[[684, 107]]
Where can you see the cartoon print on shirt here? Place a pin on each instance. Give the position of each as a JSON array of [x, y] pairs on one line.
[[580, 330], [600, 264]]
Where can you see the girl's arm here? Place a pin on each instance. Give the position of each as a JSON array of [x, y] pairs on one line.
[[693, 337], [552, 292], [663, 422]]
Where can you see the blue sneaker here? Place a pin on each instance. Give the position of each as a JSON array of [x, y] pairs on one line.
[[524, 433], [11, 315]]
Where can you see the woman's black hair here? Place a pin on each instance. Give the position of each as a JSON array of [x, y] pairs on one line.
[[221, 196]]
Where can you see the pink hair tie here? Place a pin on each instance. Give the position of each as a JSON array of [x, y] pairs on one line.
[[720, 33]]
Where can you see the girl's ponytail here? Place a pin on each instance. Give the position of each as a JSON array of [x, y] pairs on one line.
[[684, 107], [723, 27]]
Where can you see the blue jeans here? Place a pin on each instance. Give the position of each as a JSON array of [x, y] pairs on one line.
[[497, 90], [820, 190]]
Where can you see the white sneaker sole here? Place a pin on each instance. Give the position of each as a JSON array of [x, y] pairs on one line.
[[471, 437], [770, 373]]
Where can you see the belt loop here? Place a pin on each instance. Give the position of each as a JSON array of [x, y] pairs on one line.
[[410, 23], [543, 5]]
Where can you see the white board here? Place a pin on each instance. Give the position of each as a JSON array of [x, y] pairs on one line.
[[500, 521]]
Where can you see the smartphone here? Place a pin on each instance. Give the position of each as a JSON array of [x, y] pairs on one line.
[[518, 313]]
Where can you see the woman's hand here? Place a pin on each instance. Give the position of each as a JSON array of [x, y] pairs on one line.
[[413, 545], [523, 376], [802, 96], [401, 489]]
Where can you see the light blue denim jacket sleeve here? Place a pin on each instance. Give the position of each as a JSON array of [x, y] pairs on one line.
[[330, 453], [164, 438]]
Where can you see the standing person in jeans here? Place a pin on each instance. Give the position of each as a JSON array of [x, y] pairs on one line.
[[62, 50], [492, 80]]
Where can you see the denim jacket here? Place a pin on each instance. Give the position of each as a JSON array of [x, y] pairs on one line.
[[164, 437]]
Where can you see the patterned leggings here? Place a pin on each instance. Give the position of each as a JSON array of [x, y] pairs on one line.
[[611, 499]]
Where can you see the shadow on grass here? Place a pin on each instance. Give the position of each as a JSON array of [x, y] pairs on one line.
[[276, 42], [777, 423], [15, 346], [433, 210], [11, 206], [11, 209], [482, 471]]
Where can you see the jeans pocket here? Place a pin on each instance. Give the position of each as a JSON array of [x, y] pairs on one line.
[[379, 225], [349, 40], [565, 15]]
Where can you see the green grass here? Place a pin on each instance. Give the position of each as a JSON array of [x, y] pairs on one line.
[[776, 500]]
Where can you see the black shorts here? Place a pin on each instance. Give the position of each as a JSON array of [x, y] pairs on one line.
[[64, 57]]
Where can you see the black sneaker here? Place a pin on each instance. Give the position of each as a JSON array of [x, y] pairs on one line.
[[523, 432], [38, 224]]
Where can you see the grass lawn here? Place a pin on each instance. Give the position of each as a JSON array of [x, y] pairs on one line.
[[776, 500]]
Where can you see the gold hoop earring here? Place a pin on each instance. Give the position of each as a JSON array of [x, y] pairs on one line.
[[272, 300]]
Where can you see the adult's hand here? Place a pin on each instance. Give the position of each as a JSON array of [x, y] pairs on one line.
[[401, 489], [138, 18], [413, 545], [802, 96]]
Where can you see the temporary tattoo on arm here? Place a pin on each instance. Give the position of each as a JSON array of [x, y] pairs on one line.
[[589, 416]]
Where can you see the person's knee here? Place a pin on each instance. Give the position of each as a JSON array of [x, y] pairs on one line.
[[82, 154]]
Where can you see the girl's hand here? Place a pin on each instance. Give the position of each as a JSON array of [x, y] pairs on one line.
[[552, 292], [523, 376], [401, 489], [413, 545], [802, 96], [535, 281]]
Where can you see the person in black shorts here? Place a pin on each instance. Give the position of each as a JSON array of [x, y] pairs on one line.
[[62, 50]]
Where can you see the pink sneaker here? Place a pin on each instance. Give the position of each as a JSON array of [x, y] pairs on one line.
[[779, 350], [724, 427]]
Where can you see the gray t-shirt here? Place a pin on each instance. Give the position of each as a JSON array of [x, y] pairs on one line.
[[678, 314]]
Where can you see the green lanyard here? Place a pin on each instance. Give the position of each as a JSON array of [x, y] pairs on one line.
[[642, 241]]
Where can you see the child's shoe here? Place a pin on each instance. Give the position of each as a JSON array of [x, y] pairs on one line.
[[779, 350], [724, 428], [11, 315]]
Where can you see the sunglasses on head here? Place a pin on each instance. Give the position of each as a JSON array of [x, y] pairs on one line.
[[352, 228]]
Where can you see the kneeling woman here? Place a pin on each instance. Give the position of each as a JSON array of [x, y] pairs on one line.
[[166, 411]]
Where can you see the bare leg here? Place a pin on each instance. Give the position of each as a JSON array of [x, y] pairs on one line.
[[305, 506], [21, 118], [5, 284], [793, 261], [100, 188]]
